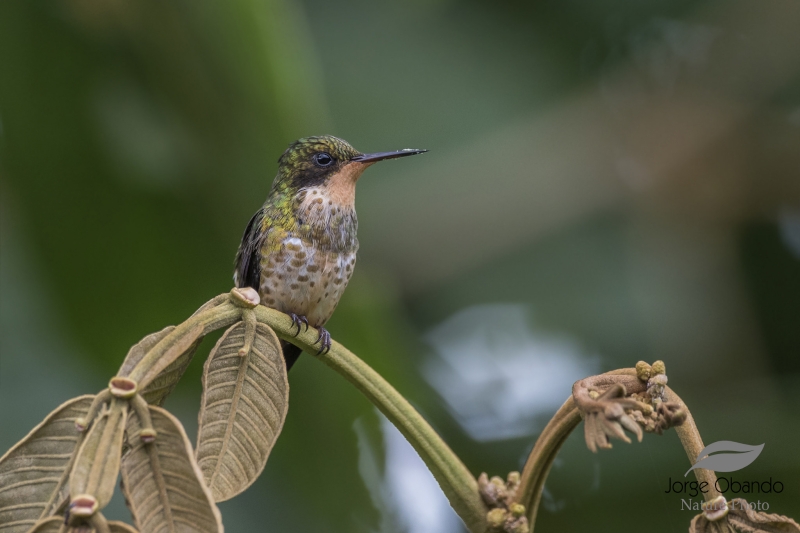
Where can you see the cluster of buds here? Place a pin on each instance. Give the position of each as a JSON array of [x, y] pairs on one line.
[[505, 514], [656, 415], [614, 403]]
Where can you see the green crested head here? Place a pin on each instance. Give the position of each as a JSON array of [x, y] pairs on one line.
[[324, 161], [307, 162]]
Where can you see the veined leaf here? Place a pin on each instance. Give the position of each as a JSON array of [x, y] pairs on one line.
[[163, 485], [140, 349], [53, 525], [245, 399], [97, 465], [156, 391], [34, 473]]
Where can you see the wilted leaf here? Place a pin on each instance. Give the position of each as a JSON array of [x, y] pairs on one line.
[[245, 399], [742, 518], [140, 349], [34, 473], [97, 465], [162, 385], [173, 349], [605, 417], [162, 483], [213, 302], [747, 520], [53, 525]]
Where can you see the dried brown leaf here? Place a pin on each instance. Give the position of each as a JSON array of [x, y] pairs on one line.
[[747, 520], [700, 524], [161, 386], [245, 399], [741, 518], [55, 523], [140, 349], [97, 465], [162, 483], [34, 473]]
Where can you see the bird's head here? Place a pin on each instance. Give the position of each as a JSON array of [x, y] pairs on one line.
[[328, 163]]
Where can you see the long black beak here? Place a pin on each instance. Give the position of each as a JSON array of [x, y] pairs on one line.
[[380, 156]]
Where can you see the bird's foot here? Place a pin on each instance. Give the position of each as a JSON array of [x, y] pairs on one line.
[[297, 320], [324, 340]]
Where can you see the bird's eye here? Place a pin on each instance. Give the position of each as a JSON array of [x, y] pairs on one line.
[[323, 159]]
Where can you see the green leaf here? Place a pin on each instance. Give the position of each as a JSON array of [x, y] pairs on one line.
[[34, 473], [162, 483], [244, 405]]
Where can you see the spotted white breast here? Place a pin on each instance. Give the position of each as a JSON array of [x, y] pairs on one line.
[[302, 279]]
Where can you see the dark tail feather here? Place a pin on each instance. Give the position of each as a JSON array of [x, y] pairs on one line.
[[290, 353]]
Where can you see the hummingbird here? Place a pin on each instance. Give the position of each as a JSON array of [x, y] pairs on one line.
[[299, 250]]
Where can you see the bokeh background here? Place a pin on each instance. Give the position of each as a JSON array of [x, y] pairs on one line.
[[607, 181]]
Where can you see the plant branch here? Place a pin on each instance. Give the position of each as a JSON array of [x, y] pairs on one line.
[[693, 445], [608, 403], [453, 477], [209, 318], [544, 453], [547, 446]]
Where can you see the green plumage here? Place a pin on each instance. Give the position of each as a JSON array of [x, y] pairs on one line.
[[299, 249]]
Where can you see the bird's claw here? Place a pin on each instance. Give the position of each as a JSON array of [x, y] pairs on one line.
[[324, 339], [297, 320]]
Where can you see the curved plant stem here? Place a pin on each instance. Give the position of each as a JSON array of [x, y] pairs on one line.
[[693, 444], [566, 419], [547, 446], [456, 481], [206, 320], [541, 458]]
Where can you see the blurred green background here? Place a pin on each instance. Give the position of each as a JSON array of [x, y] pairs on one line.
[[608, 181]]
